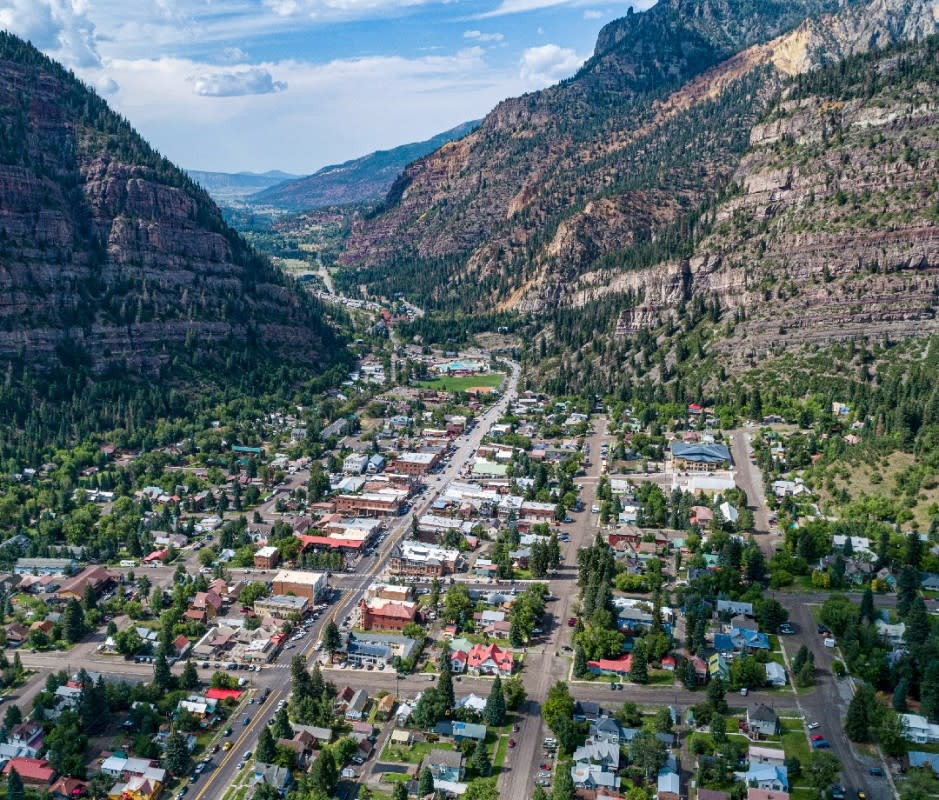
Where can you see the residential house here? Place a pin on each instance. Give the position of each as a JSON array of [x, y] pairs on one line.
[[919, 729], [771, 777], [921, 760], [775, 674], [763, 720], [766, 755], [587, 711], [891, 634], [717, 666], [357, 705], [612, 666], [280, 778], [444, 765], [606, 729], [732, 607], [588, 776], [598, 753], [35, 772], [461, 730], [489, 660]]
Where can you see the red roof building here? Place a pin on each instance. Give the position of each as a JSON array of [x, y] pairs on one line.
[[33, 771], [222, 694], [489, 660], [156, 555], [386, 615], [611, 666]]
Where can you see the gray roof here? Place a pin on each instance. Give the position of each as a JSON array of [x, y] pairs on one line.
[[763, 713], [445, 758]]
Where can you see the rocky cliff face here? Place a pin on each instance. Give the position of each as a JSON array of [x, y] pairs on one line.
[[834, 232], [554, 181], [109, 255]]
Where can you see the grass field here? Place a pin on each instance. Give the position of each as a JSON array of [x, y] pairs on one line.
[[460, 383]]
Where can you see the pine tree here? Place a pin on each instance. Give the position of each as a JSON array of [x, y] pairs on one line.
[[266, 752], [494, 712], [324, 775], [717, 692], [690, 675], [282, 728], [857, 723], [89, 598], [15, 788], [907, 589], [580, 662], [867, 606], [331, 639], [639, 668], [445, 684], [400, 792], [899, 696], [425, 785], [162, 677], [176, 754], [481, 763], [917, 623], [73, 621], [190, 678]]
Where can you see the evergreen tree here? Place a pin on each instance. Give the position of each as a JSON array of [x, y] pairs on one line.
[[481, 763], [190, 678], [929, 691], [89, 598], [445, 684], [176, 754], [917, 623], [717, 692], [690, 677], [580, 662], [331, 639], [425, 784], [282, 728], [639, 668], [907, 589], [265, 752], [324, 776], [73, 621], [15, 788], [162, 677], [400, 792], [899, 696], [867, 605], [494, 712], [861, 713]]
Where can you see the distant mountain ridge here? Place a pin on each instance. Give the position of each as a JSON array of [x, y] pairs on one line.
[[227, 187], [356, 181]]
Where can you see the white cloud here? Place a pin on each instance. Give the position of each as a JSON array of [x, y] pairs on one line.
[[237, 83], [62, 28], [547, 64], [522, 6], [591, 13], [106, 85], [479, 36], [332, 9]]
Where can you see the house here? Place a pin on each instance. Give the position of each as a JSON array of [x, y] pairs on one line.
[[717, 666], [746, 640], [891, 634], [606, 730], [668, 785], [775, 674], [587, 711], [766, 755], [763, 720], [921, 760], [598, 752], [280, 778], [732, 608], [696, 457], [401, 737], [266, 558], [136, 787], [611, 666], [588, 776], [35, 772], [744, 623], [386, 615], [461, 730], [444, 765], [357, 705], [67, 788], [489, 660], [771, 777], [74, 588], [209, 602], [16, 634], [919, 729], [700, 669], [385, 707], [930, 583]]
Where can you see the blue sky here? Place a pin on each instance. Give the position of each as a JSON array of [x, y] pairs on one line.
[[297, 84]]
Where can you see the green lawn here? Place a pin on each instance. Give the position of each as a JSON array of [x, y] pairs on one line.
[[460, 383], [501, 749], [795, 744], [413, 754]]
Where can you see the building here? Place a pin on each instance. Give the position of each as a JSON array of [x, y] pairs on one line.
[[763, 720], [74, 588], [282, 606], [35, 772], [355, 463], [489, 660], [444, 765], [416, 463], [44, 566], [775, 674], [371, 504], [266, 558], [311, 585], [415, 558], [386, 615], [919, 729], [697, 457]]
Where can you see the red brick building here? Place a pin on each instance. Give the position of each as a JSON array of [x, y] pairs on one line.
[[386, 615]]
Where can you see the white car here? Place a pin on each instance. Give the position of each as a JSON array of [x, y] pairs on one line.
[[815, 726]]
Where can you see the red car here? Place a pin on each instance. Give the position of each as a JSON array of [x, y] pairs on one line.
[[817, 737], [511, 742], [571, 621]]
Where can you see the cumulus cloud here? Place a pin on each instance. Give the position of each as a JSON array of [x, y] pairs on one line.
[[237, 83], [479, 36], [548, 63], [62, 28], [106, 85]]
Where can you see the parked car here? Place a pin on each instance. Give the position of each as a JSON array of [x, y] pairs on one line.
[[821, 744], [817, 737], [511, 742], [877, 772], [814, 726], [571, 622]]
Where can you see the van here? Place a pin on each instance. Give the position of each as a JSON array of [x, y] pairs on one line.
[[829, 642], [128, 562]]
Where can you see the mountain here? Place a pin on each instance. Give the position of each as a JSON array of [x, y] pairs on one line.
[[229, 187], [828, 234], [113, 262], [612, 168], [357, 181]]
